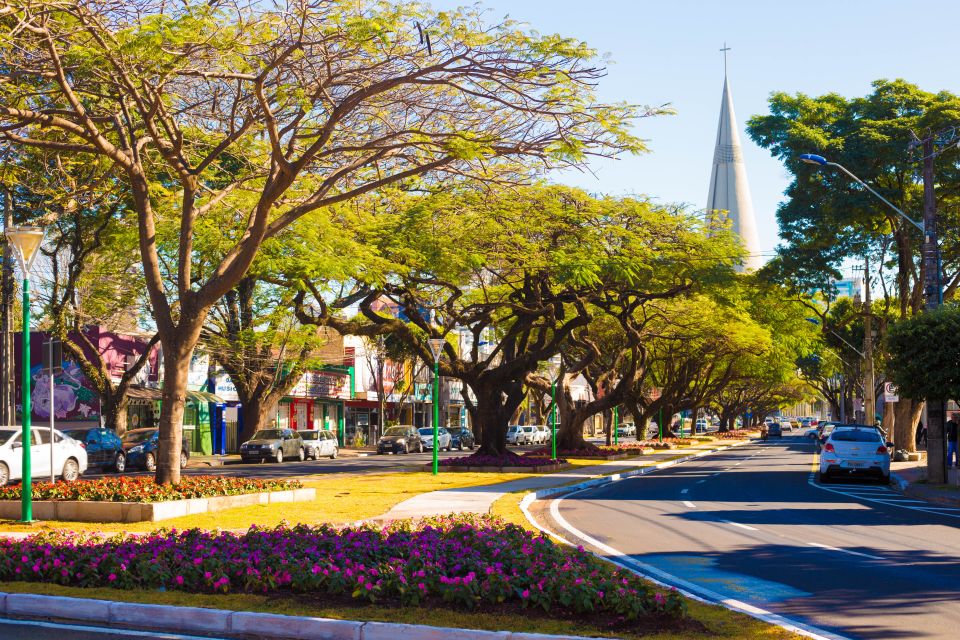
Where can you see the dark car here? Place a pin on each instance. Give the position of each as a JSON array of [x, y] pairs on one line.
[[140, 447], [774, 430], [461, 438], [402, 439], [273, 444], [103, 446]]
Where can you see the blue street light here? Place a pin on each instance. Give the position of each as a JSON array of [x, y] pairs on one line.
[[812, 158]]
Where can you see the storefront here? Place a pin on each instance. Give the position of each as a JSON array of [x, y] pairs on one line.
[[315, 402]]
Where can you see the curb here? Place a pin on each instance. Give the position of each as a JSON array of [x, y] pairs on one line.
[[232, 624]]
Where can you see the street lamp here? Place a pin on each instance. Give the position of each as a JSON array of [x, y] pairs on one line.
[[26, 244], [436, 348], [553, 370]]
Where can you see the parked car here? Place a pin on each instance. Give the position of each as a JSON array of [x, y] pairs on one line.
[[627, 429], [140, 447], [103, 446], [401, 439], [855, 451], [69, 457], [443, 438], [787, 425], [775, 430], [515, 434], [544, 433], [273, 444], [461, 438], [320, 443], [702, 425]]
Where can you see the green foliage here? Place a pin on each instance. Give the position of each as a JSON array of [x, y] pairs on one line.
[[925, 354]]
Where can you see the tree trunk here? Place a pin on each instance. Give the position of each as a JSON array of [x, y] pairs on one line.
[[496, 401], [907, 413], [176, 365], [115, 411], [255, 409]]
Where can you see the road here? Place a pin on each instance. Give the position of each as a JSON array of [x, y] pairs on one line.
[[751, 524], [30, 630]]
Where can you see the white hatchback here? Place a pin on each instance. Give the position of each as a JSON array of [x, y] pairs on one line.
[[69, 456], [855, 452]]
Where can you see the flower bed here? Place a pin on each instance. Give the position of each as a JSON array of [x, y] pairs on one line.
[[466, 562], [738, 434], [142, 489], [668, 443], [506, 460], [636, 448], [602, 453]]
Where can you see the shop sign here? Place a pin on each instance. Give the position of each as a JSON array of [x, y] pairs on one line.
[[321, 384]]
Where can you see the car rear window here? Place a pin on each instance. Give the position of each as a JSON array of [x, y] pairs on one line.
[[855, 436]]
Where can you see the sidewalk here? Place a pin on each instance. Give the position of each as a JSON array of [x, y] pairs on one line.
[[481, 498], [911, 479]]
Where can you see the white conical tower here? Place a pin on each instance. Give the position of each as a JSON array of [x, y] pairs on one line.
[[729, 190]]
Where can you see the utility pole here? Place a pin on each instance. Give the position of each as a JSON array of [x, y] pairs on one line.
[[933, 298], [869, 388]]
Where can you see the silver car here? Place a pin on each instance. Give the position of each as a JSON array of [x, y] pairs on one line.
[[320, 443], [855, 451], [443, 436]]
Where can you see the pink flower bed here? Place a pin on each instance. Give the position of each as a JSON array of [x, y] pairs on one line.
[[738, 434], [463, 561], [586, 452], [506, 460]]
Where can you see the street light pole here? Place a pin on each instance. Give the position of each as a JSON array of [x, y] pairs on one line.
[[554, 365], [436, 348], [869, 386], [26, 243]]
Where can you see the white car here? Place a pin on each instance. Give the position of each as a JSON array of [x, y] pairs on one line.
[[855, 452], [69, 456], [543, 433], [443, 437], [521, 434], [702, 425]]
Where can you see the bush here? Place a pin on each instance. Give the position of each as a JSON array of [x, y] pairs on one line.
[[462, 561], [143, 489]]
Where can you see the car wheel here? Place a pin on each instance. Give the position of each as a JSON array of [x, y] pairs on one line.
[[183, 460], [4, 474], [885, 479], [302, 455], [824, 477], [150, 462], [472, 446], [278, 458], [406, 448], [460, 448], [120, 463], [336, 452], [420, 447], [71, 471]]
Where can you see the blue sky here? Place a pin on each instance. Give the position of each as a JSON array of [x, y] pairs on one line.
[[666, 51]]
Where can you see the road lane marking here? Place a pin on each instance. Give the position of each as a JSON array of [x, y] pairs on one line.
[[685, 587], [685, 491], [742, 526], [700, 481], [687, 503], [852, 553]]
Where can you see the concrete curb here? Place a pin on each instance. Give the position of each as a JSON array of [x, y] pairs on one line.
[[232, 624]]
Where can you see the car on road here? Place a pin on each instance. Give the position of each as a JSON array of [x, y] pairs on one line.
[[787, 425], [461, 438], [273, 444], [544, 433], [320, 443], [443, 437], [627, 429], [103, 446], [519, 434], [140, 447], [400, 439], [69, 456], [855, 451], [702, 425], [774, 430]]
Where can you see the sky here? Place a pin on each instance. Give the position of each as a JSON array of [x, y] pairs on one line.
[[667, 52]]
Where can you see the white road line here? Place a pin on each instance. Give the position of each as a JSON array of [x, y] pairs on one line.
[[685, 491], [689, 589], [156, 635], [742, 526], [852, 553], [868, 498], [700, 481], [689, 504]]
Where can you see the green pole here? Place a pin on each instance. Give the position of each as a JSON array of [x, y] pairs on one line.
[[616, 426], [436, 416], [26, 500], [660, 424], [553, 419], [341, 424]]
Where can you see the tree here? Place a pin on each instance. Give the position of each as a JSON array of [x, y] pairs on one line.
[[261, 114], [924, 352], [827, 218]]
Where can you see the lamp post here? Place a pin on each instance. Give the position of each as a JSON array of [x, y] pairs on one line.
[[553, 370], [26, 243], [436, 348]]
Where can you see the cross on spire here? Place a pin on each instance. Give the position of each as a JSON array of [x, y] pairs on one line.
[[724, 50]]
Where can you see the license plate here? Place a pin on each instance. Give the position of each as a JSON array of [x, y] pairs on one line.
[[854, 465]]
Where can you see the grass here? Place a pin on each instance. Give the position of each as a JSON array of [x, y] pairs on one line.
[[341, 499], [718, 622]]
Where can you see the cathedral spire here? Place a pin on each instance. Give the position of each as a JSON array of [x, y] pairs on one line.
[[729, 190]]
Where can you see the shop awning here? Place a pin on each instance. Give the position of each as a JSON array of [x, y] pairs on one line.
[[204, 396], [144, 393]]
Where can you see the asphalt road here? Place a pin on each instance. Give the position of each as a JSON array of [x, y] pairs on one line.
[[751, 524], [29, 630]]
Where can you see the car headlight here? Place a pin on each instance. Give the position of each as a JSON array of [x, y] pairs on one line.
[[136, 449]]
